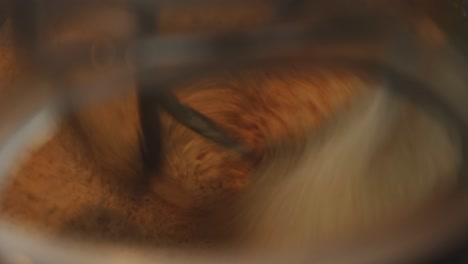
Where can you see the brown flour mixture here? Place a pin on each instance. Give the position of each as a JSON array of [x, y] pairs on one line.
[[69, 187]]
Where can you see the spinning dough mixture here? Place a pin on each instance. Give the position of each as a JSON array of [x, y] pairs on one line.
[[372, 164]]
